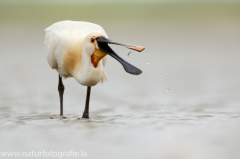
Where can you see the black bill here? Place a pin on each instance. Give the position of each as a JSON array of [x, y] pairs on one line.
[[103, 46]]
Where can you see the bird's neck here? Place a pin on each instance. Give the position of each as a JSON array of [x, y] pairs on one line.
[[85, 73]]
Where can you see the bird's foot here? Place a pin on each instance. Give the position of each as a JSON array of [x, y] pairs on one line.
[[86, 116]]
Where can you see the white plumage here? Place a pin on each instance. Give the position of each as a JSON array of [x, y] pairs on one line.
[[67, 53]]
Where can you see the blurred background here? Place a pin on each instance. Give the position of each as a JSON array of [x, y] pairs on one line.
[[185, 105]]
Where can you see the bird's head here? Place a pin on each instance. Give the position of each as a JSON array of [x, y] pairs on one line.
[[97, 45]]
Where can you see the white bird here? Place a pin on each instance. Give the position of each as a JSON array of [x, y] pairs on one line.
[[80, 50]]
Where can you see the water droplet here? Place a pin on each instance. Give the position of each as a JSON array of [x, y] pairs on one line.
[[129, 53], [148, 63], [167, 90], [160, 75], [162, 105]]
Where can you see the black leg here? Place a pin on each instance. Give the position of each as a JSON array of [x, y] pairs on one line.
[[85, 113], [61, 91]]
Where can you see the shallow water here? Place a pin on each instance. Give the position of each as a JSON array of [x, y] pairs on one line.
[[130, 116], [135, 131]]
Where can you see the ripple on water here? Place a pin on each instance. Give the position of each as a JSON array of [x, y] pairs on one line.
[[4, 115], [235, 117], [204, 116]]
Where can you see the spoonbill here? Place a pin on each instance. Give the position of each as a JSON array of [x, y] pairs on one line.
[[80, 49]]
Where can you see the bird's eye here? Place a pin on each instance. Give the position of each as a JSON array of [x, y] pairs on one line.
[[92, 40]]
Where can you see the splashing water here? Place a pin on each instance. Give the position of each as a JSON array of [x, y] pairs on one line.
[[129, 53], [160, 75]]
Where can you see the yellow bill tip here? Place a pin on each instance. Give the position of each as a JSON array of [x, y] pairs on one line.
[[137, 48]]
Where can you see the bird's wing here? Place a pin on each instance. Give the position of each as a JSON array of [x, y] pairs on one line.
[[51, 43]]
